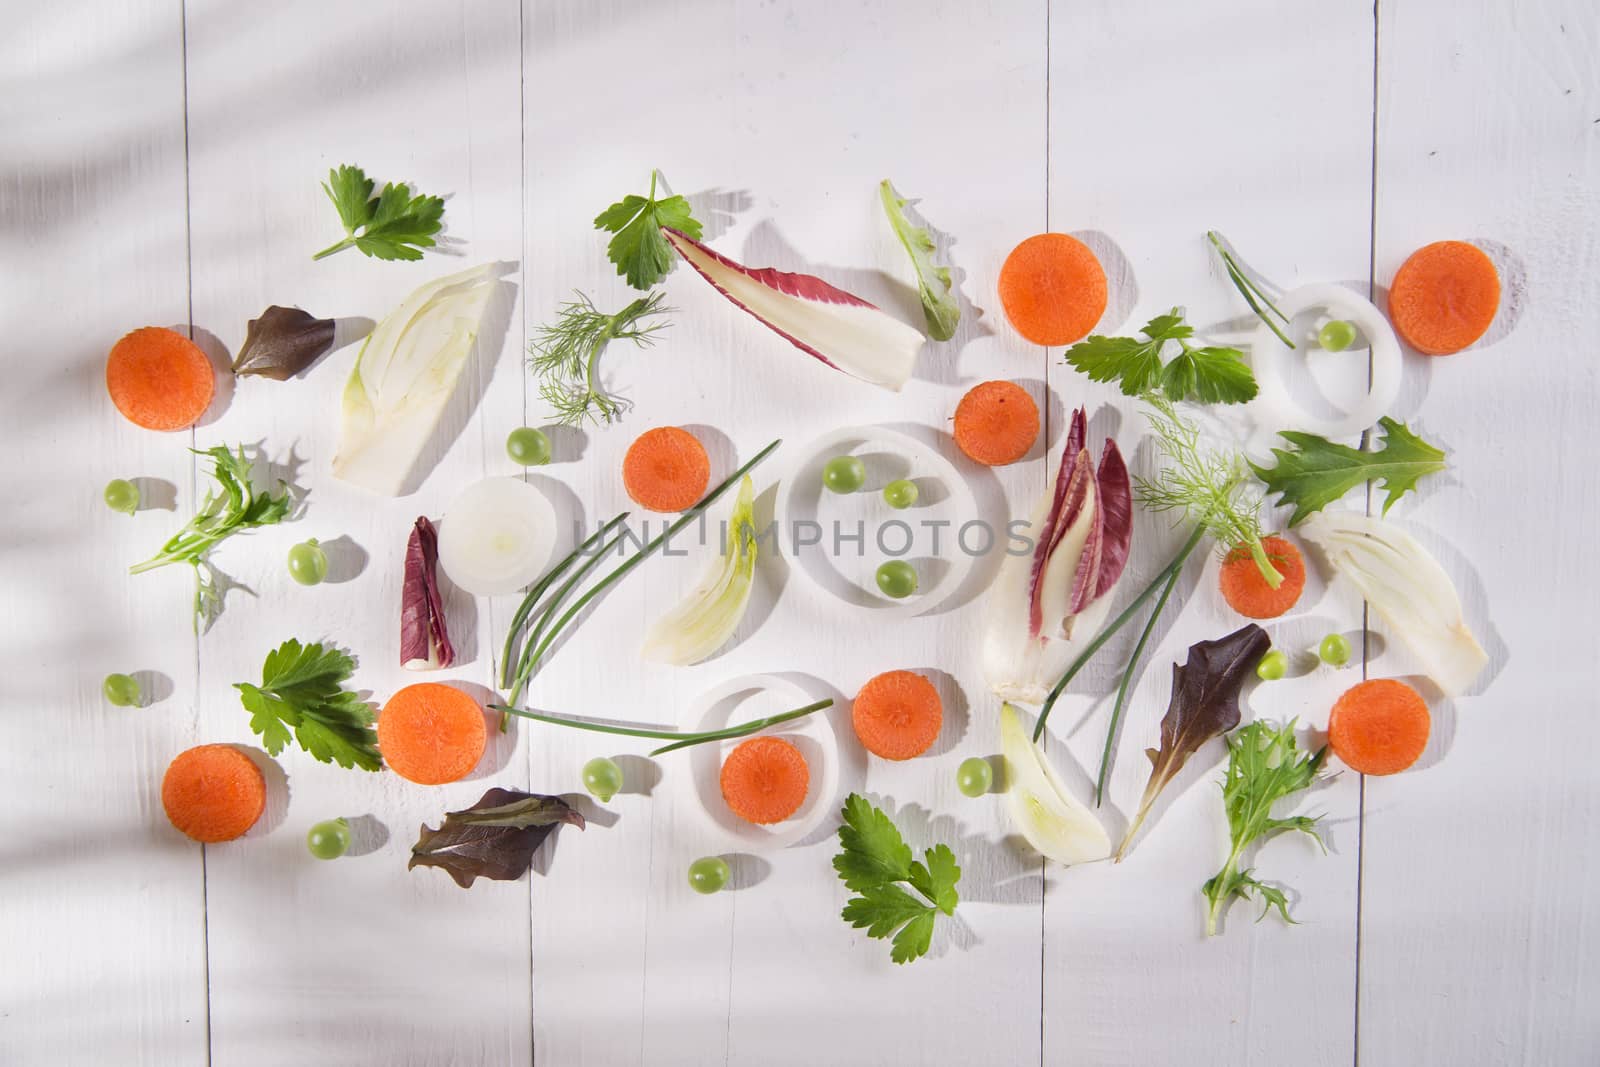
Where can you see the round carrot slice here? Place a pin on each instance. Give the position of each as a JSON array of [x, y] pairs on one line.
[[996, 423], [1444, 297], [431, 733], [1379, 727], [765, 779], [666, 469], [1247, 591], [213, 793], [159, 379], [897, 715], [1053, 289]]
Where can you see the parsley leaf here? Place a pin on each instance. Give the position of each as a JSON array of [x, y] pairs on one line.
[[641, 254], [395, 225], [1318, 472], [1264, 766], [301, 688], [873, 862], [1210, 375]]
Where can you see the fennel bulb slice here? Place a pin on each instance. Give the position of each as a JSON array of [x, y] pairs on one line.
[[1407, 586], [403, 378], [1057, 825], [710, 614]]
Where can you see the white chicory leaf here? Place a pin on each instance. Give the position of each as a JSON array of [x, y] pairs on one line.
[[705, 620], [1407, 586], [1058, 826], [403, 378]]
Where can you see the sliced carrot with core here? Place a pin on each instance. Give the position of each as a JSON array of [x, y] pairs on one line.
[[897, 715], [765, 779], [1053, 289], [159, 379], [666, 469], [1246, 589], [431, 733], [1444, 297], [1379, 727], [996, 423], [213, 793]]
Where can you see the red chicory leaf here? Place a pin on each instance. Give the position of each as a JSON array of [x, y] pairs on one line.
[[1114, 498], [424, 638]]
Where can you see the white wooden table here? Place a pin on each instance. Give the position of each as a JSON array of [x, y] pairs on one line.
[[160, 165]]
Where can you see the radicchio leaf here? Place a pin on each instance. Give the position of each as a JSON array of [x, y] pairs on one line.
[[1114, 499], [1066, 504], [424, 638], [282, 343], [495, 838], [1204, 705]]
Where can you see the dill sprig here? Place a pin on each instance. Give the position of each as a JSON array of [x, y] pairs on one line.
[[1212, 489], [566, 355]]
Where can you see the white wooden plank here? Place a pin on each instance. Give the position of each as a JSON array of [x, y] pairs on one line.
[[1165, 123], [92, 246], [791, 113], [356, 960], [1478, 911]]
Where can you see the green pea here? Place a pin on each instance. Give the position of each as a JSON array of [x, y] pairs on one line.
[[1334, 650], [330, 839], [1272, 666], [1337, 335], [122, 495], [897, 579], [974, 777], [602, 778], [900, 493], [844, 474], [121, 690], [708, 874], [528, 447]]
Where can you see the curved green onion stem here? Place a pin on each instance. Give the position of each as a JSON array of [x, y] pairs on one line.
[[1116, 624], [545, 632], [1127, 679], [526, 608], [678, 739], [1249, 290]]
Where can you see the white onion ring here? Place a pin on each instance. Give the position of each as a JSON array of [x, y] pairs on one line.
[[1276, 409]]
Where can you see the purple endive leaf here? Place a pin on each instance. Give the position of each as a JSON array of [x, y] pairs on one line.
[[424, 638], [1086, 579], [1114, 501], [1071, 505]]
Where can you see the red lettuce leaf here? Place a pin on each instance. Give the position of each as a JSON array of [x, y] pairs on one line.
[[495, 838], [282, 343], [1204, 705], [424, 638]]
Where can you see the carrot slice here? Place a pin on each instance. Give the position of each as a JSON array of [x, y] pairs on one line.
[[159, 379], [897, 715], [431, 733], [1053, 289], [765, 780], [1379, 727], [213, 793], [666, 469], [996, 423], [1444, 297], [1248, 593]]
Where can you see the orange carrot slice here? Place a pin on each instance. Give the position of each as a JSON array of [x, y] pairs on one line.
[[897, 715], [1053, 289], [1444, 297], [666, 469], [1248, 593], [765, 779], [996, 423], [213, 793], [159, 379], [431, 733], [1379, 727]]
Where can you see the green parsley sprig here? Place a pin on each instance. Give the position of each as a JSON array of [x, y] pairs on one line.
[[641, 254], [393, 225], [301, 688], [873, 862], [1265, 765], [566, 355], [1207, 374]]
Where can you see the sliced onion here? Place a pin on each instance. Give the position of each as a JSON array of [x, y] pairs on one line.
[[496, 536]]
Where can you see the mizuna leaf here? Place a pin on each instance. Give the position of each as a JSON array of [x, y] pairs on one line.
[[282, 343], [1317, 472], [495, 838], [1204, 705], [840, 329], [939, 305]]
